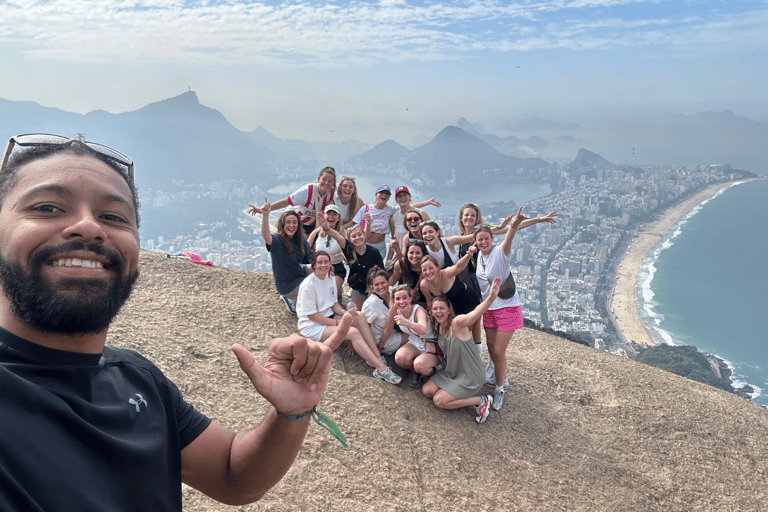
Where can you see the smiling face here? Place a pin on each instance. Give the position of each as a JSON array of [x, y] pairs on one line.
[[430, 235], [381, 199], [484, 242], [403, 199], [346, 189], [412, 222], [428, 269], [69, 244], [402, 300], [333, 219], [321, 266], [441, 311], [380, 286], [469, 219], [325, 182], [414, 255], [357, 238], [290, 223]]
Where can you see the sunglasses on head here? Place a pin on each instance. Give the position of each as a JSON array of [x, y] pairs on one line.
[[46, 139]]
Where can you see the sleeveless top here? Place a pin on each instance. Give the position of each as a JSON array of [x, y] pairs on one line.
[[463, 372], [444, 257], [462, 300]]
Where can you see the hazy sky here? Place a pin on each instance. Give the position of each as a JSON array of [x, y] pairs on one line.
[[390, 69]]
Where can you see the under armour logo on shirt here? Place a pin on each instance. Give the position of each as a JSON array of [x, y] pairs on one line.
[[138, 402]]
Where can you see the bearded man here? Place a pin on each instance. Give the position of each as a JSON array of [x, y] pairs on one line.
[[85, 426]]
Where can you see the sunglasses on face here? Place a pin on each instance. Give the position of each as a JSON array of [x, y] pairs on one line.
[[46, 139]]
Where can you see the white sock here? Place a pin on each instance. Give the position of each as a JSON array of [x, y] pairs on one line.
[[479, 348]]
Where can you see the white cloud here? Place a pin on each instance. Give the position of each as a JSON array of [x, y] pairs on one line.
[[351, 34]]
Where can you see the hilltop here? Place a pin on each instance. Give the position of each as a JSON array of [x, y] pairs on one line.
[[581, 429]]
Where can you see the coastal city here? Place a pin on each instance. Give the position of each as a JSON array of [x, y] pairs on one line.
[[564, 271]]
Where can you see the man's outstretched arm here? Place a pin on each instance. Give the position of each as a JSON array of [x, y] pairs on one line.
[[240, 468]]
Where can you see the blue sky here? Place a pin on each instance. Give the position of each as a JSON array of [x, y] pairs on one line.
[[389, 69]]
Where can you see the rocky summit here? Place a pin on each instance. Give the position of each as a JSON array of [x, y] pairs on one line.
[[580, 429]]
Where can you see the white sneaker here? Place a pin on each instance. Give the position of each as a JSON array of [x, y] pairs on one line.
[[498, 399], [483, 409], [387, 376], [490, 373]]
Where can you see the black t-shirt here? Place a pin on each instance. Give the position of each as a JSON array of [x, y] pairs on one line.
[[358, 271], [86, 432]]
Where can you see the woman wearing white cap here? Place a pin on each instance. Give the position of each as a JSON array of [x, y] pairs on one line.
[[376, 220], [321, 240]]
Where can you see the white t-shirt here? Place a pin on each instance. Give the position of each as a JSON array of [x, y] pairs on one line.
[[307, 209], [496, 264], [379, 217], [315, 296]]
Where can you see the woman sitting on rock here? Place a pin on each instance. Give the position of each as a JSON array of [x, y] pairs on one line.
[[458, 382], [376, 311], [412, 320], [319, 314], [436, 281]]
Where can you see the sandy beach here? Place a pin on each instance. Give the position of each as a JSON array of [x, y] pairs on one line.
[[624, 299]]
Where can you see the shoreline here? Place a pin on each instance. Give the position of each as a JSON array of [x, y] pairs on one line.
[[623, 302]]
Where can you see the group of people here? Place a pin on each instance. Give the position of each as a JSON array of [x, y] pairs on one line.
[[424, 298]]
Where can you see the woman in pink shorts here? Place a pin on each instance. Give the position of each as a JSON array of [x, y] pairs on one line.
[[504, 316]]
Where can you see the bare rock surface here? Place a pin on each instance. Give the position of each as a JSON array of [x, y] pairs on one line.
[[580, 429]]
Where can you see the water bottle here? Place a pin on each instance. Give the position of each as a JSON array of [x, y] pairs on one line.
[[351, 304]]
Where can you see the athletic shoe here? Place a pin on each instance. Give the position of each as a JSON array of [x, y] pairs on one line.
[[289, 305], [490, 373], [387, 376], [483, 409], [498, 399], [415, 380]]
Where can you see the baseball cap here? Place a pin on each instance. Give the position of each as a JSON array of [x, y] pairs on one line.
[[402, 189], [332, 208], [384, 188]]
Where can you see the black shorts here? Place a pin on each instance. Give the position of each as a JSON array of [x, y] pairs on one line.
[[339, 270]]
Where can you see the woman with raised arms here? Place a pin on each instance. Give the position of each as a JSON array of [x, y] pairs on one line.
[[458, 382], [319, 314], [309, 199], [289, 251], [503, 316], [348, 200], [412, 320]]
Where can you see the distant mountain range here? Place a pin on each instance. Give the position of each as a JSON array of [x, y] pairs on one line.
[[180, 139]]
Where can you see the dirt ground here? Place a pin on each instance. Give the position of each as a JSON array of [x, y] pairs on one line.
[[580, 429]]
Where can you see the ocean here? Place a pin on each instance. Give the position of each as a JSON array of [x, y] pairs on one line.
[[706, 283]]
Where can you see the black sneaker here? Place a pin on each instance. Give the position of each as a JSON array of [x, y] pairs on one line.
[[289, 305]]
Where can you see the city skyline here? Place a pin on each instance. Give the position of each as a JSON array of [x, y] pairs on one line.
[[332, 71]]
